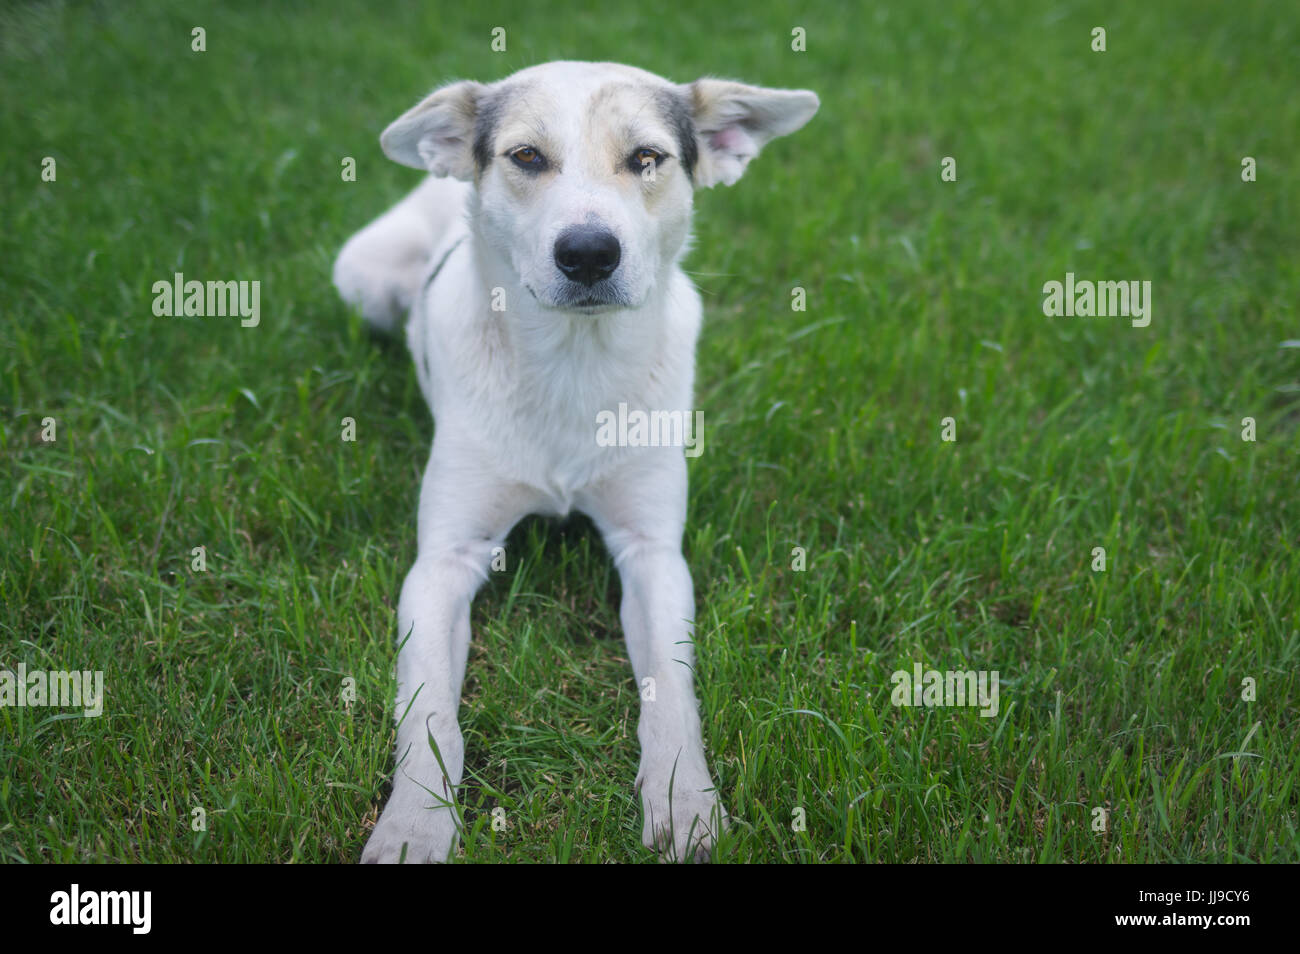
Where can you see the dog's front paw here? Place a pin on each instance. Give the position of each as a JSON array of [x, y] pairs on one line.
[[683, 823], [426, 834]]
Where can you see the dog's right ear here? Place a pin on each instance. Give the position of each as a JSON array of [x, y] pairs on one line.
[[437, 134]]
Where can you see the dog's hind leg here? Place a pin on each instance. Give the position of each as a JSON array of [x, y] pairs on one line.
[[379, 269]]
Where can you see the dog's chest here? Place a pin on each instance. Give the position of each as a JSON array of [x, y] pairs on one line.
[[555, 421], [534, 415]]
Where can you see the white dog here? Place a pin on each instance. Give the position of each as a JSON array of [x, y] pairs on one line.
[[540, 269]]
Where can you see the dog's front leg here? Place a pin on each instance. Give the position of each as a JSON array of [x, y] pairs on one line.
[[641, 520], [682, 811], [433, 618], [461, 520]]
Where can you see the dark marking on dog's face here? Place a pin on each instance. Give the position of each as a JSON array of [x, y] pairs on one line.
[[486, 120], [677, 113]]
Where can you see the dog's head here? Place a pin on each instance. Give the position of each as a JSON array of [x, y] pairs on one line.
[[585, 171]]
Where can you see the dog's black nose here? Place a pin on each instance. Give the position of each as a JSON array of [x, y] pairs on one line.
[[587, 253]]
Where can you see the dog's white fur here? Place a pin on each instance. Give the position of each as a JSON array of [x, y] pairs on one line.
[[516, 366]]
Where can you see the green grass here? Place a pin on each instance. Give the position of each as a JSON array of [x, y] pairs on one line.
[[1120, 689]]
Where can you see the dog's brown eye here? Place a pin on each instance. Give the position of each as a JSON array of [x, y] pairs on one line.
[[528, 157], [646, 156]]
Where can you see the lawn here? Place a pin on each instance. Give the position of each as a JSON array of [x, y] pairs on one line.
[[835, 536]]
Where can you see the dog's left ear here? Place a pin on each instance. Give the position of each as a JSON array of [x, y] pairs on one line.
[[437, 134], [734, 121]]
